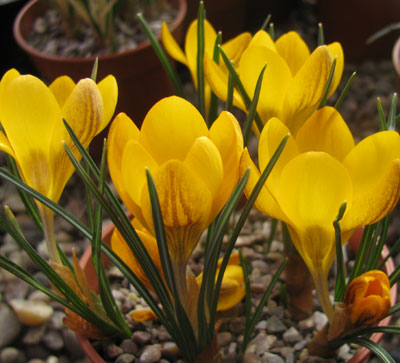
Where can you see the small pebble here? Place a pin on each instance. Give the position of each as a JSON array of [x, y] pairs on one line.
[[12, 355], [292, 335], [8, 319], [125, 358], [141, 337], [31, 313], [151, 353], [275, 325]]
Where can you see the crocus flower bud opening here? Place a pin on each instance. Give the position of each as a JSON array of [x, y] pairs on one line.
[[368, 298]]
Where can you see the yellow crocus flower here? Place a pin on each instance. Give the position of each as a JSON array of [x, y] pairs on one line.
[[319, 170], [194, 168], [188, 57], [294, 80], [367, 298], [32, 117]]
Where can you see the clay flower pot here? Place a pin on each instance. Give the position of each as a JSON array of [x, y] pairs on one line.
[[141, 78], [86, 263], [396, 59]]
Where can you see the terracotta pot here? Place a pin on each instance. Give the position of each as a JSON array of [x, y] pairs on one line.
[[140, 75], [351, 22], [396, 59], [87, 266]]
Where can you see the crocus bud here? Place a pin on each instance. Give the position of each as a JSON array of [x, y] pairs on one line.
[[368, 298]]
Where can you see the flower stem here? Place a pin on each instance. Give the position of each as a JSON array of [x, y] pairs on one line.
[[47, 216], [321, 286]]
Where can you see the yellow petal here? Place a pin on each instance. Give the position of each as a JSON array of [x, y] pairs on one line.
[[185, 204], [265, 202], [326, 131], [143, 315], [109, 94], [120, 247], [271, 136], [83, 109], [262, 39], [226, 134], [276, 79], [218, 81], [171, 46], [121, 131], [336, 51], [374, 167], [235, 47], [204, 160], [170, 128], [5, 80], [191, 45], [292, 48], [5, 145], [232, 288], [313, 186], [135, 160], [62, 87], [28, 105], [307, 88]]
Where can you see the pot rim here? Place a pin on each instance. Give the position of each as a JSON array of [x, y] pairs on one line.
[[396, 56], [182, 7]]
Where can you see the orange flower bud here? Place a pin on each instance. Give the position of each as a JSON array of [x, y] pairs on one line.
[[368, 298]]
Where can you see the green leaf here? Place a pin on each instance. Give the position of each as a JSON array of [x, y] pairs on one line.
[[345, 90], [95, 69], [169, 69], [250, 324], [378, 350], [266, 22], [321, 40], [229, 96], [240, 87], [382, 118], [328, 85], [253, 107], [271, 31], [239, 225], [26, 199], [340, 287], [75, 222], [391, 121], [273, 225], [212, 114]]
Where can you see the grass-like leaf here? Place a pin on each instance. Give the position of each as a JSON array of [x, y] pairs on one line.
[[76, 223], [169, 69], [341, 271], [391, 121], [328, 85], [381, 114], [378, 350], [345, 90], [251, 322], [253, 107], [239, 225], [212, 114], [266, 22], [321, 38], [240, 87]]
